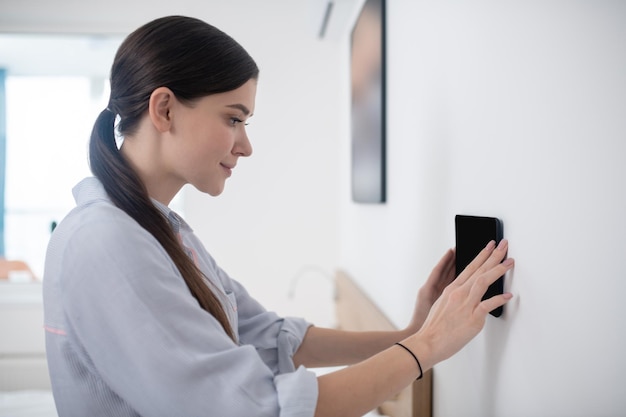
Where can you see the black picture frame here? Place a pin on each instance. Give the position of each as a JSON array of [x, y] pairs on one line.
[[368, 109]]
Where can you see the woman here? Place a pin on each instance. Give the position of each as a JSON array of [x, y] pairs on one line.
[[139, 318]]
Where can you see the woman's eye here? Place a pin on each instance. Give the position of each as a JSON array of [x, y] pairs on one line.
[[235, 120]]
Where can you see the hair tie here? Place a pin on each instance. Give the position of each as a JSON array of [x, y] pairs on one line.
[[414, 357]]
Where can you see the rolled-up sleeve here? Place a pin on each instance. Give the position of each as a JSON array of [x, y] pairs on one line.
[[276, 340], [297, 393]]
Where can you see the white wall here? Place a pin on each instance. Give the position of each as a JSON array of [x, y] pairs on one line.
[[517, 110]]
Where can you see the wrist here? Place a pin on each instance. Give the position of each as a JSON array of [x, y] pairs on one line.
[[422, 349], [424, 303], [426, 296], [405, 333]]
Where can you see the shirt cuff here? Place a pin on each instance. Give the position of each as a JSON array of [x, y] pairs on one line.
[[297, 393], [289, 340]]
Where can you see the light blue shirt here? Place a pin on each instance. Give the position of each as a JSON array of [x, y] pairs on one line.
[[125, 337]]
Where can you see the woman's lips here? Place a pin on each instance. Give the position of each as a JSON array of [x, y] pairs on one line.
[[228, 169]]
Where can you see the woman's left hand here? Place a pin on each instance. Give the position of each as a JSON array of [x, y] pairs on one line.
[[440, 277]]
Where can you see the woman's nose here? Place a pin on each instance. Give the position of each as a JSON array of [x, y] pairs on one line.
[[243, 147]]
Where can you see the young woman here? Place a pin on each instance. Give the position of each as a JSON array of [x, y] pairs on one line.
[[139, 318]]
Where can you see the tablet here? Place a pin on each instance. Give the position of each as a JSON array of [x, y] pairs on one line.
[[472, 235]]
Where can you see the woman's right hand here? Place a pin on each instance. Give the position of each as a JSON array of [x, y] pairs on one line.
[[460, 314]]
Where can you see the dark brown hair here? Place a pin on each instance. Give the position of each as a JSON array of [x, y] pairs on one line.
[[193, 59]]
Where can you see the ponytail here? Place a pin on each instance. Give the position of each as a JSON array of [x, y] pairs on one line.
[[128, 192]]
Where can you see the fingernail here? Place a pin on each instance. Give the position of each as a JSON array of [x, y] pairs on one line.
[[508, 262], [490, 245], [503, 243]]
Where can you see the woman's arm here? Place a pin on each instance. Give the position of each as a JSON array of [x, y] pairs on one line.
[[456, 317], [330, 347]]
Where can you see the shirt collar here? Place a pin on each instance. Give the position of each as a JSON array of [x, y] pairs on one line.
[[176, 222], [91, 189]]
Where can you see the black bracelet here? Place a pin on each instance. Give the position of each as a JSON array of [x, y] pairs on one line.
[[414, 357]]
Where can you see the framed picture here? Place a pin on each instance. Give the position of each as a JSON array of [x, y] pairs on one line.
[[367, 74]]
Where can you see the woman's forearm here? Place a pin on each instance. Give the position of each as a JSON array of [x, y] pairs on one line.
[[357, 389], [323, 347]]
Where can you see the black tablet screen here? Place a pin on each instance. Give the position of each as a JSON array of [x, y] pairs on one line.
[[472, 235]]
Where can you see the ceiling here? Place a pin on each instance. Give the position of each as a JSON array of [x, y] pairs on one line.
[[71, 37]]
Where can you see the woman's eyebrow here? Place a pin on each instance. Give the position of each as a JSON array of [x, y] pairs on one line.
[[241, 107]]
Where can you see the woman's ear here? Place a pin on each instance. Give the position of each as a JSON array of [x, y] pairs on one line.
[[161, 101]]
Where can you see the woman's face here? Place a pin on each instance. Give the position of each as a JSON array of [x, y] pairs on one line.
[[208, 138]]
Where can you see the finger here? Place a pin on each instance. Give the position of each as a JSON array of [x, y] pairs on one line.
[[449, 261], [450, 272], [496, 256], [494, 302], [444, 263], [437, 275], [473, 266], [485, 279]]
